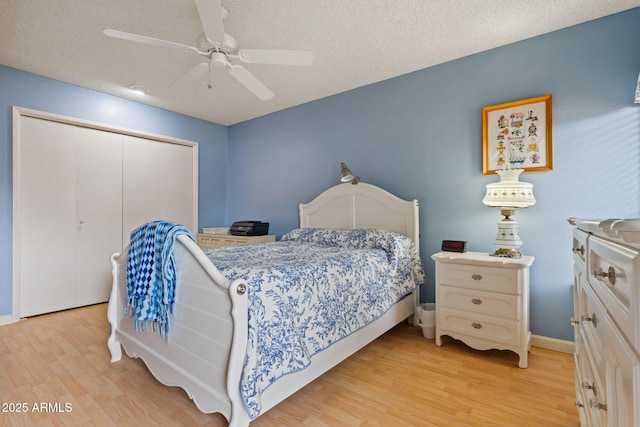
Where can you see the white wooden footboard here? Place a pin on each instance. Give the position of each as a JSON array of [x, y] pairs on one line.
[[207, 337]]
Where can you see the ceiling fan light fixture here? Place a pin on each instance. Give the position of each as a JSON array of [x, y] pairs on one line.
[[219, 59]]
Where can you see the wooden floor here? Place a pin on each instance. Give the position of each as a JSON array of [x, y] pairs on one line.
[[56, 368]]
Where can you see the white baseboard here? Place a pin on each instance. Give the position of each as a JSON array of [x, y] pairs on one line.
[[554, 344], [6, 319]]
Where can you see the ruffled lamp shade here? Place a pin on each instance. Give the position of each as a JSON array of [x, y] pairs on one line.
[[509, 195]]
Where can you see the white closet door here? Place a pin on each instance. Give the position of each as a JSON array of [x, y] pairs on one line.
[[71, 197], [79, 191], [47, 225], [98, 212], [158, 183]]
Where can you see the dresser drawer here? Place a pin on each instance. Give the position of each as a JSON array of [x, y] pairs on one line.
[[480, 302], [612, 375], [491, 279], [484, 329], [579, 248], [613, 274], [221, 240]]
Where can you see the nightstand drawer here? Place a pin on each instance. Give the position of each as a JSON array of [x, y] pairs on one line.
[[480, 302], [492, 279], [492, 330]]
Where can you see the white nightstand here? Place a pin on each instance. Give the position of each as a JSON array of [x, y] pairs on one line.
[[218, 240], [483, 301]]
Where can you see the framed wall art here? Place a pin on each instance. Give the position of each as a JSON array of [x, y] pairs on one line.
[[518, 135]]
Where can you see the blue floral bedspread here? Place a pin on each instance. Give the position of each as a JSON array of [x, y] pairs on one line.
[[311, 289]]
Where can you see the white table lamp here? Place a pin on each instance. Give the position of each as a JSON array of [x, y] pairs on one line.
[[509, 195]]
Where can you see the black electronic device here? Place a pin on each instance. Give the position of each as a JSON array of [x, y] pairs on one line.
[[249, 228], [454, 246]]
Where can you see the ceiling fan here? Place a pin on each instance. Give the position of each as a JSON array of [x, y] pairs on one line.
[[219, 47]]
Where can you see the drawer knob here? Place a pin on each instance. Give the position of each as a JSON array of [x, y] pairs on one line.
[[610, 274], [597, 405], [586, 386], [593, 319], [476, 301], [476, 325], [476, 276], [579, 250]]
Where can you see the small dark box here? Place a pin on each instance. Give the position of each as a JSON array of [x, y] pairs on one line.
[[454, 246], [249, 228]]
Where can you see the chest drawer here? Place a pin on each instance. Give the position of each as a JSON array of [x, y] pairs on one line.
[[221, 240], [480, 302], [611, 368], [613, 271], [490, 279], [579, 248]]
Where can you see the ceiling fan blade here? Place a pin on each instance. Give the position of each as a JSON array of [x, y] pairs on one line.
[[249, 81], [276, 56], [193, 75], [211, 18], [147, 40]]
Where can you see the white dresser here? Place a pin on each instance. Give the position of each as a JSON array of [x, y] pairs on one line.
[[607, 321], [220, 240], [483, 301]]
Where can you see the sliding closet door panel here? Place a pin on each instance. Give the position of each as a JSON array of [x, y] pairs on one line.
[[158, 183], [98, 212], [176, 181], [141, 191], [48, 210]]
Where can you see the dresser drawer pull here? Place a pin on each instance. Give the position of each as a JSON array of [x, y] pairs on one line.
[[476, 276], [610, 274], [593, 319], [476, 301], [579, 250], [586, 386], [597, 405], [476, 325]]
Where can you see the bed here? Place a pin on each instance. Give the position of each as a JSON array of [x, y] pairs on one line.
[[207, 348]]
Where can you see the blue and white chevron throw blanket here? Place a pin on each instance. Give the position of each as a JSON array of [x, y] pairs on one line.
[[151, 275]]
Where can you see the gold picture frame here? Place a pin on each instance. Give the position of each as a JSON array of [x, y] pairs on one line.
[[518, 135]]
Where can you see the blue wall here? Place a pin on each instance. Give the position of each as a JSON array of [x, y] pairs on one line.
[[38, 93], [420, 136]]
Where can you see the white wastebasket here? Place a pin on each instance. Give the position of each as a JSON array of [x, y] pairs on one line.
[[426, 314]]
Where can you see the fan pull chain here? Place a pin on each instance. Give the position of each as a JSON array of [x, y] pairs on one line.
[[209, 83]]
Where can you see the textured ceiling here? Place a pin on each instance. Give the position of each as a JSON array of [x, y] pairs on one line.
[[354, 43]]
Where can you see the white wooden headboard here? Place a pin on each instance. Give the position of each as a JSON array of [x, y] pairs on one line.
[[361, 206]]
